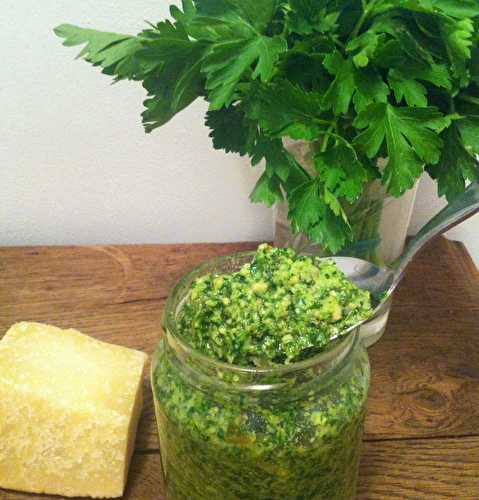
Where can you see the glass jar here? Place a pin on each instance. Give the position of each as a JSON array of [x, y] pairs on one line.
[[229, 432]]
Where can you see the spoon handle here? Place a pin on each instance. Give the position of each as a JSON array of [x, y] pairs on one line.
[[460, 209]]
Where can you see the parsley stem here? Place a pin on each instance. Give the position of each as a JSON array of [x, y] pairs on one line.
[[328, 134], [367, 10], [469, 98], [337, 41], [321, 147], [320, 121]]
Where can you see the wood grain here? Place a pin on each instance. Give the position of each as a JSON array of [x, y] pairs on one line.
[[442, 276], [420, 469], [99, 274], [425, 375], [423, 413], [463, 259]]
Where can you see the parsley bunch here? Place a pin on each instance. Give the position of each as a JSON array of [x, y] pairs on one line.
[[359, 79]]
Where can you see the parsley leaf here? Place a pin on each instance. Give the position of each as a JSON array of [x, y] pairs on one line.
[[267, 190], [364, 47], [229, 61], [312, 210], [468, 126], [306, 205], [284, 109], [185, 16], [454, 8], [475, 66], [230, 130], [407, 37], [370, 88], [366, 85], [241, 49], [256, 13], [414, 92], [437, 74], [308, 16], [233, 131], [341, 172], [177, 80], [115, 53], [457, 36], [338, 96], [456, 167], [307, 71], [411, 140], [279, 162]]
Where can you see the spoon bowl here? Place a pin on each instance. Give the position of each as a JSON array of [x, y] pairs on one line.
[[377, 280]]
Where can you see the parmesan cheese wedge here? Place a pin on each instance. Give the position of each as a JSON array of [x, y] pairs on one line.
[[69, 410]]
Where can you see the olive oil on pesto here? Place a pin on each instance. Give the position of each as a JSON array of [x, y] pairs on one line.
[[264, 432]]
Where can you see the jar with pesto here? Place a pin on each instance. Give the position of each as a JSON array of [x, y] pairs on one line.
[[275, 413]]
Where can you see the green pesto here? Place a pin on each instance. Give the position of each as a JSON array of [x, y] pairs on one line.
[[296, 446], [276, 309]]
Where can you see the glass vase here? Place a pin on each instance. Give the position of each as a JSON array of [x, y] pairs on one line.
[[379, 222]]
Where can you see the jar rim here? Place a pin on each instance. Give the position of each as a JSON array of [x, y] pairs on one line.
[[349, 335]]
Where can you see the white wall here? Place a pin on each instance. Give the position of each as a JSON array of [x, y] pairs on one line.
[[427, 204], [76, 164]]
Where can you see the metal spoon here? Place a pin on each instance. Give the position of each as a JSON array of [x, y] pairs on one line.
[[382, 281]]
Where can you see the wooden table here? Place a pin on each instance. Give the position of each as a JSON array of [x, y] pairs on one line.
[[422, 429]]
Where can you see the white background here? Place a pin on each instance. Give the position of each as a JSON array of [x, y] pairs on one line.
[[77, 167]]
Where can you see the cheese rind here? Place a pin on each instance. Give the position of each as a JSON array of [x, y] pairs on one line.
[[69, 409]]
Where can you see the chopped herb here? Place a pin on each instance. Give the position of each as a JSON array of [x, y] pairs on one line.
[[218, 446], [272, 310]]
